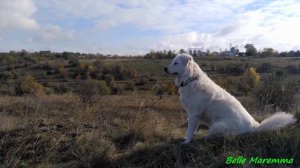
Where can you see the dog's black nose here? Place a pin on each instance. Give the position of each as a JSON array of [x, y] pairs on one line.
[[166, 69]]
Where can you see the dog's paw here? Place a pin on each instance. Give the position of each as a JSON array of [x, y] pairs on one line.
[[186, 142]]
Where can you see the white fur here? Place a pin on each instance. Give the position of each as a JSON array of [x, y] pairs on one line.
[[206, 102]]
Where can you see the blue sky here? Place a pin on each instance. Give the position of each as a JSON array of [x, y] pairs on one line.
[[136, 27]]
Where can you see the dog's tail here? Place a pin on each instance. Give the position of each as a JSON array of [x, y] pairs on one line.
[[278, 120]]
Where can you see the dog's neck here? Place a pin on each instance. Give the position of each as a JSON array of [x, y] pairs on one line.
[[189, 76], [189, 80]]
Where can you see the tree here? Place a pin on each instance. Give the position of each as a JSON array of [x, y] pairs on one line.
[[268, 52], [171, 54], [207, 52], [250, 50]]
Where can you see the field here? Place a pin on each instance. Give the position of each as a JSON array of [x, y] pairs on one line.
[[138, 127]]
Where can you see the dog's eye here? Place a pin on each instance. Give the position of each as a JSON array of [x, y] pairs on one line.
[[175, 63]]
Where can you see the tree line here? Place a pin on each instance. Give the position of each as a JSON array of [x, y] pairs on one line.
[[250, 50]]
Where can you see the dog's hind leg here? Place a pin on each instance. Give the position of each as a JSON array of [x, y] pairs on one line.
[[216, 130]]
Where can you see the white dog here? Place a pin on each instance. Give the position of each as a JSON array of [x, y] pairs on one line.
[[206, 102]]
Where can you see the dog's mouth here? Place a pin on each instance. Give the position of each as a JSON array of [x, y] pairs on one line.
[[175, 73]]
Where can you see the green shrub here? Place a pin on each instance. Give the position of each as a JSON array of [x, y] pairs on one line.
[[102, 87]]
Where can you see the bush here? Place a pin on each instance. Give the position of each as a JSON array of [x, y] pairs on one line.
[[98, 68], [62, 88], [280, 73], [265, 68], [102, 87], [109, 72], [229, 84], [120, 72], [84, 71], [241, 85], [90, 88], [74, 62], [28, 85], [251, 77], [278, 93], [235, 69], [5, 76], [248, 81], [110, 80]]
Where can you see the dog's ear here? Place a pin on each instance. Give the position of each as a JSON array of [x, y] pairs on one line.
[[187, 60]]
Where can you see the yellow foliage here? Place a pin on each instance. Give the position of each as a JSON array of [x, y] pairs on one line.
[[28, 85], [251, 77]]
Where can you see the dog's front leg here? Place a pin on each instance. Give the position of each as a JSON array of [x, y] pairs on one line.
[[192, 126]]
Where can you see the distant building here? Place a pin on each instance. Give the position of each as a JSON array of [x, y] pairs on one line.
[[232, 52]]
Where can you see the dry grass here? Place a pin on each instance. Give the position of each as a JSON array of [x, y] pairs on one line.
[[119, 131]]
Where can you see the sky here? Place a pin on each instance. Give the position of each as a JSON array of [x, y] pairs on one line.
[[129, 27]]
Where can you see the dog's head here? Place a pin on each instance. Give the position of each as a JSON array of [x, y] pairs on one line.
[[179, 64]]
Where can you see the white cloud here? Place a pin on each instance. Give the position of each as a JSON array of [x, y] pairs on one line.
[[17, 14], [213, 24], [17, 21], [271, 26], [52, 33], [169, 16]]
